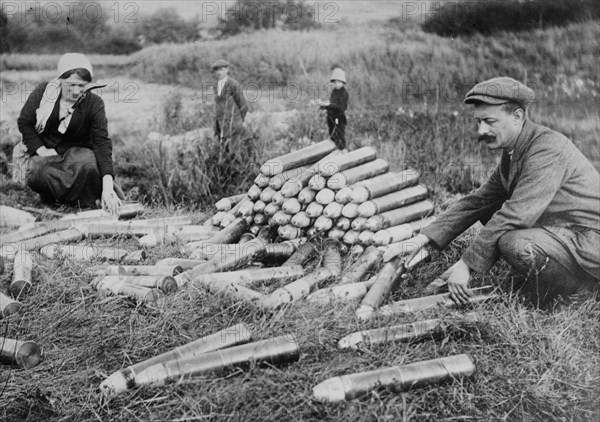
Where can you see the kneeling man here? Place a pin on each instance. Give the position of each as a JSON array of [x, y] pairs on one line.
[[540, 208]]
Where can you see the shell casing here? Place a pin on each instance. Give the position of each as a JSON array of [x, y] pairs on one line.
[[246, 278], [351, 237], [289, 232], [274, 350], [344, 223], [231, 233], [239, 255], [359, 224], [482, 294], [278, 199], [67, 235], [226, 204], [307, 195], [259, 219], [254, 229], [281, 218], [278, 251], [267, 194], [114, 285], [401, 378], [358, 173], [402, 332], [297, 289], [185, 264], [357, 249], [299, 158], [271, 209], [332, 258], [262, 181], [227, 219], [125, 379], [346, 293], [277, 181], [384, 284], [344, 195], [317, 182], [259, 206], [83, 253], [22, 268], [246, 237], [323, 224], [400, 215], [369, 259], [216, 219], [364, 238], [336, 233], [166, 284], [383, 184], [291, 189], [10, 216], [393, 200], [254, 193], [392, 235], [25, 354], [304, 253], [314, 210], [291, 206], [245, 209], [402, 248], [345, 161], [139, 270], [8, 306], [333, 210], [301, 220], [350, 210], [325, 196]]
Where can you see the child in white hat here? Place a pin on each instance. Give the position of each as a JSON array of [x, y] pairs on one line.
[[336, 108]]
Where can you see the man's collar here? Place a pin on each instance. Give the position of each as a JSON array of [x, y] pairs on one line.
[[523, 138]]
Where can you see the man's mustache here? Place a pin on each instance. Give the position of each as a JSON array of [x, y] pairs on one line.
[[486, 138]]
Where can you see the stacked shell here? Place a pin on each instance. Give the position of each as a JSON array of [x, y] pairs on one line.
[[347, 196]]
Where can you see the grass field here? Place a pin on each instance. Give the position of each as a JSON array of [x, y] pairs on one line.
[[532, 365]]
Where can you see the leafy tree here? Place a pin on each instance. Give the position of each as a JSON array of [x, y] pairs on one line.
[[167, 26]]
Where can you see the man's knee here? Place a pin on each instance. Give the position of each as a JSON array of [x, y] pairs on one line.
[[519, 250]]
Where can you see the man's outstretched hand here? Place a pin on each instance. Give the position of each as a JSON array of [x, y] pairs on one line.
[[458, 277]]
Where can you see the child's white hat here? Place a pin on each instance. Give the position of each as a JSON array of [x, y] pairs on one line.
[[338, 75]]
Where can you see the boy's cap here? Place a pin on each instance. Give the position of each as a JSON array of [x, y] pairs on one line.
[[500, 91], [338, 75], [217, 64]]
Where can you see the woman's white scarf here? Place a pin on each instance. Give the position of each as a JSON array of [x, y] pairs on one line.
[[47, 103]]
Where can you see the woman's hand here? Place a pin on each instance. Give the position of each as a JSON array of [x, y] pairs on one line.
[[46, 152], [110, 200]]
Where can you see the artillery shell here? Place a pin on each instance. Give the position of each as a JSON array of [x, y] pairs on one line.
[[259, 219], [332, 259], [166, 284], [344, 223], [392, 235], [351, 237], [150, 297], [277, 181], [271, 209], [282, 218], [301, 220], [278, 199], [481, 294], [278, 251], [83, 253], [402, 248], [336, 234], [393, 200], [22, 268], [370, 258], [384, 284], [364, 238], [346, 293], [304, 253], [402, 332], [8, 306], [67, 235], [383, 184], [296, 290], [325, 196], [289, 232], [402, 378], [333, 210], [400, 215], [359, 224], [259, 206], [267, 194], [242, 255], [25, 354], [307, 195], [358, 173], [323, 224], [273, 350], [186, 264], [125, 379], [344, 195], [304, 156], [10, 216], [357, 249], [350, 210], [291, 206], [246, 208], [254, 193], [262, 181], [314, 210], [218, 217], [226, 204], [317, 182], [348, 160], [139, 270]]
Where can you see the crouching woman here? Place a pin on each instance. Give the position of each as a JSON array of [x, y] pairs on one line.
[[66, 154]]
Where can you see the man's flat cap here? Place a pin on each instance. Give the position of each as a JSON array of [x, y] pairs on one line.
[[500, 91], [217, 64]]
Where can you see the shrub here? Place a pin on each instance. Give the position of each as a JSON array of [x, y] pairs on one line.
[[490, 16]]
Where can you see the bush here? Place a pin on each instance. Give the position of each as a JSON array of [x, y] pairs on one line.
[[490, 16]]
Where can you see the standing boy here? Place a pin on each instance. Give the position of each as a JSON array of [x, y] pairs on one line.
[[336, 108]]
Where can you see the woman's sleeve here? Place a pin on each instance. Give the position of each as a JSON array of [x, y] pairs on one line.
[[101, 143], [27, 120]]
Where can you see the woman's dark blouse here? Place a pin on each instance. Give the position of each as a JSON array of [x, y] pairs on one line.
[[88, 128]]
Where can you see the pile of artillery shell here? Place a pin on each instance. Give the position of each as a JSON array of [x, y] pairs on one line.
[[351, 197]]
